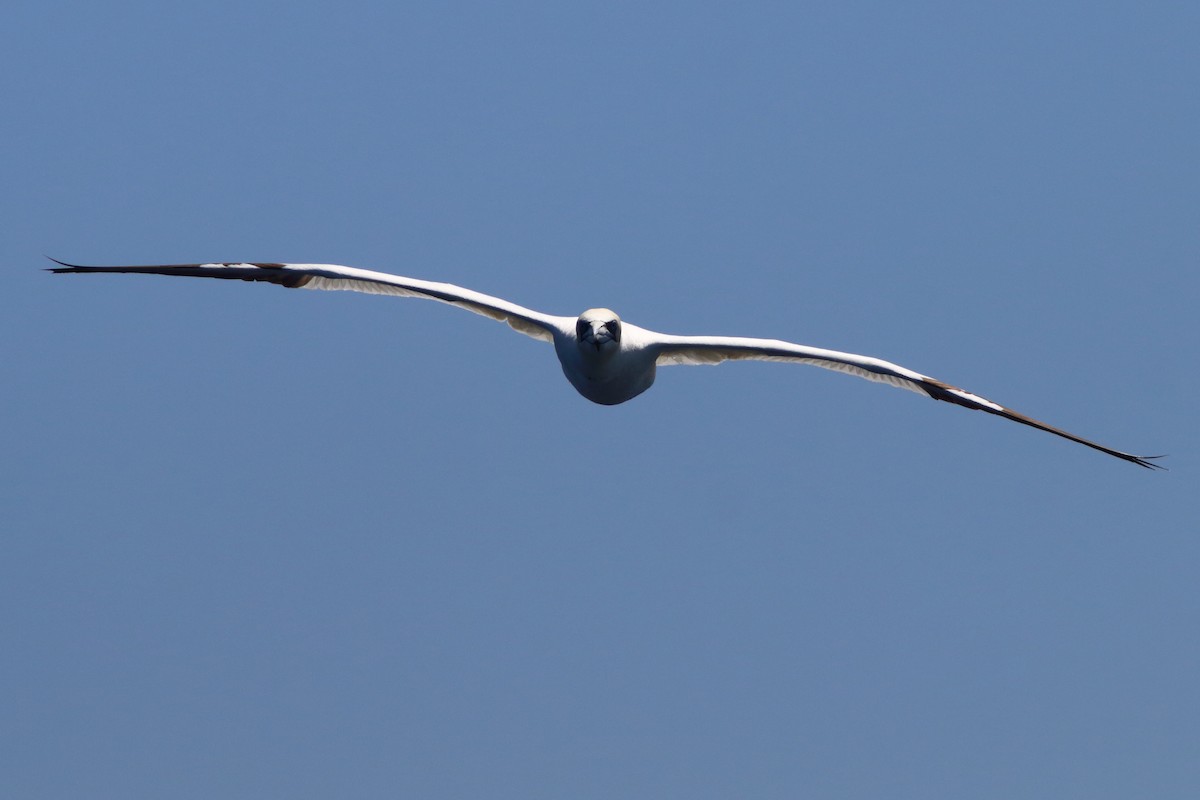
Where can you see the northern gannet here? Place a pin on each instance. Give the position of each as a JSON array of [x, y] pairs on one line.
[[607, 360]]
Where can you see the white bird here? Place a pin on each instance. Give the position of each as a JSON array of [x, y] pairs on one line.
[[607, 360]]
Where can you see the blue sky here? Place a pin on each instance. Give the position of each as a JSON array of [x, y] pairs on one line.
[[269, 543]]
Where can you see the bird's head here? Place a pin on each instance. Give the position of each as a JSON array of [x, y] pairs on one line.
[[598, 332]]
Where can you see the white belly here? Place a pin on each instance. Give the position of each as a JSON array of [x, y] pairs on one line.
[[623, 376]]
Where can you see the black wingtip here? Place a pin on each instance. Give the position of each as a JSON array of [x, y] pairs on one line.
[[64, 266], [1148, 462]]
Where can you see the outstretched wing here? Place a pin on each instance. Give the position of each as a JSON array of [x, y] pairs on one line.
[[715, 349], [331, 276]]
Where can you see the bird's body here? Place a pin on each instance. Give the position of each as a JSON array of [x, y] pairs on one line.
[[608, 361], [605, 368]]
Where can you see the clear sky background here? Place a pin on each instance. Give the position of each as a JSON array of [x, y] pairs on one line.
[[268, 543]]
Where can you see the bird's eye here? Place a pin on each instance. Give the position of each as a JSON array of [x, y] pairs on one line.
[[614, 329], [581, 328]]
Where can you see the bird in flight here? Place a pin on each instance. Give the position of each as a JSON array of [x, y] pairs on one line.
[[606, 359]]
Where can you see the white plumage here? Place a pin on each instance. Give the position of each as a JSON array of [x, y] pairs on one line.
[[606, 359]]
